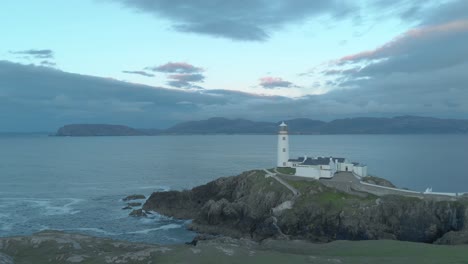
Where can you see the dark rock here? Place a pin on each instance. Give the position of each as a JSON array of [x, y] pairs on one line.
[[201, 237], [134, 197], [127, 207], [138, 213], [134, 204], [453, 238], [378, 181], [242, 206]]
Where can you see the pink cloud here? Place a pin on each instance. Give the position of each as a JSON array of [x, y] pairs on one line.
[[274, 82], [400, 43]]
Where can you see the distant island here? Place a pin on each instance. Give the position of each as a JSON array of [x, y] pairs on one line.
[[220, 125], [84, 130]]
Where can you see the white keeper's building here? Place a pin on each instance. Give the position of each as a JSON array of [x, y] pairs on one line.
[[318, 167]]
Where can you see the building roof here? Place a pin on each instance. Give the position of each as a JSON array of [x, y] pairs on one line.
[[317, 161], [283, 124]]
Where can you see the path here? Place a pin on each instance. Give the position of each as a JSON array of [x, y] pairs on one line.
[[285, 184], [349, 183]]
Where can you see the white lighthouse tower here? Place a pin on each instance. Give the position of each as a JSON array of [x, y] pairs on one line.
[[283, 146]]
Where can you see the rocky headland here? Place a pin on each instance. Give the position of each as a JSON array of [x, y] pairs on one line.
[[257, 207]]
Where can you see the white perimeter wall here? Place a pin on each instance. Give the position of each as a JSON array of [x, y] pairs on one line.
[[361, 171], [312, 172]]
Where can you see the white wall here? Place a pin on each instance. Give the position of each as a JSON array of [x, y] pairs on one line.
[[361, 171], [308, 172], [342, 166], [312, 172]]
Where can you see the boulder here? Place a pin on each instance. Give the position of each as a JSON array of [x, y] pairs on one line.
[[138, 213], [134, 197]]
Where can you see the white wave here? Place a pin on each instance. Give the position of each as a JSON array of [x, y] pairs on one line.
[[4, 215], [6, 226], [157, 216], [156, 188], [147, 231], [49, 205], [92, 229], [43, 227]]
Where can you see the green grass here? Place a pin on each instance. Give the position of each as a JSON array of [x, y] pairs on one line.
[[287, 171], [270, 252], [304, 186]]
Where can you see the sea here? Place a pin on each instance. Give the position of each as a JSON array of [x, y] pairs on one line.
[[76, 184]]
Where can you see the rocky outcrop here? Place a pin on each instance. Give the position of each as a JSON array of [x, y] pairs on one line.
[[378, 181], [247, 206], [134, 197], [232, 205], [138, 213]]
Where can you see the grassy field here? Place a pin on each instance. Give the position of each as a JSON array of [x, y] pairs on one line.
[[287, 171]]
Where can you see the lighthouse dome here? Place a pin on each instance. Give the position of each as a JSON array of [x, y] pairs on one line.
[[283, 127]]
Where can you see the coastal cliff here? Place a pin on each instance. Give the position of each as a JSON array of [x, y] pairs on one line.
[[258, 207]]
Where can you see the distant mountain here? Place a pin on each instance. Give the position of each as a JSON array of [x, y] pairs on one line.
[[360, 125], [86, 130], [219, 125], [395, 125]]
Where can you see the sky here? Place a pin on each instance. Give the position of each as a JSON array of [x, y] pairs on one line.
[[153, 63]]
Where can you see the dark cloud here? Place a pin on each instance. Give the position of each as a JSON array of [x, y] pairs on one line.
[[185, 80], [422, 71], [187, 77], [175, 67], [274, 82], [450, 11], [238, 20], [36, 53], [142, 73], [180, 74], [47, 63]]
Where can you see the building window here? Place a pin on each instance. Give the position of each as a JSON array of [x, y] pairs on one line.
[[284, 149], [284, 138]]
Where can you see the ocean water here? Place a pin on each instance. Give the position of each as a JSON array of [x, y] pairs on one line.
[[76, 184]]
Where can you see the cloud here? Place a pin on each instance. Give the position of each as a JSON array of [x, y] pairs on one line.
[[175, 67], [34, 98], [180, 74], [274, 82], [252, 20], [185, 80], [36, 53], [421, 72], [142, 73], [47, 63]]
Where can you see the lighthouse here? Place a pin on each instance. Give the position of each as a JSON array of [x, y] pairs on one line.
[[283, 146]]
